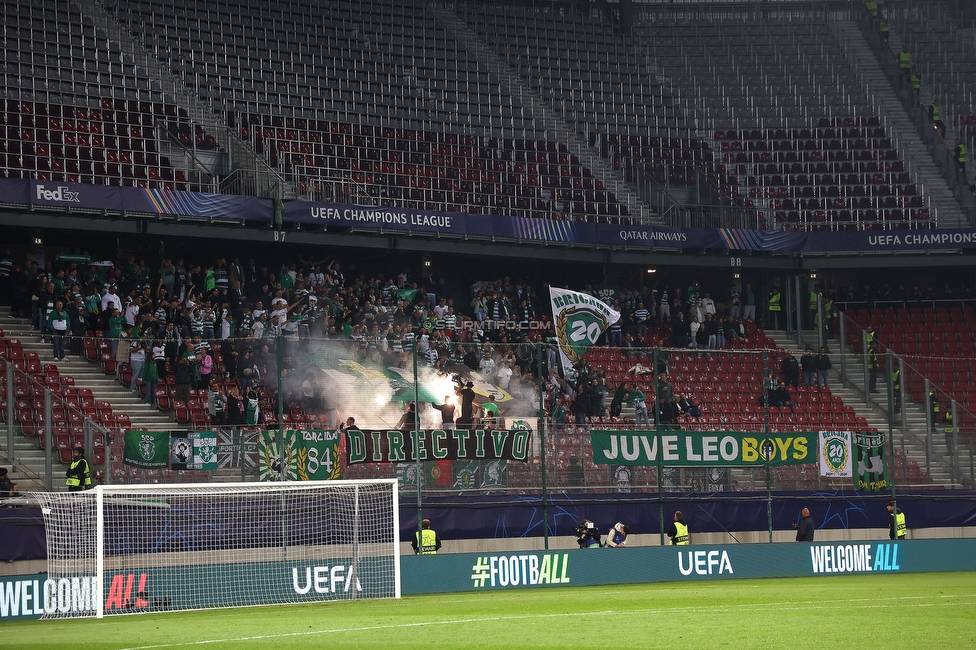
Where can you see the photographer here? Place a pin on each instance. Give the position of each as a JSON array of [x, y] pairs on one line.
[[587, 535]]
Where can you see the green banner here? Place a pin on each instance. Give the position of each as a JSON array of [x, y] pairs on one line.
[[193, 450], [702, 448], [871, 466], [456, 572], [146, 449], [309, 454]]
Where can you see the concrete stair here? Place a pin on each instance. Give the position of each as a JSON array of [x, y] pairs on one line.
[[30, 459], [904, 134], [910, 437]]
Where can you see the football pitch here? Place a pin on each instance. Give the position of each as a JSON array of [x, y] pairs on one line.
[[922, 610]]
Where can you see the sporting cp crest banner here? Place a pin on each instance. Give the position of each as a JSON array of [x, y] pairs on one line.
[[870, 456], [580, 320], [835, 454], [147, 449], [193, 450], [309, 455]]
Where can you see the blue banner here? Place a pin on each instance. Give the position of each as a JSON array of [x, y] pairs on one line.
[[57, 194]]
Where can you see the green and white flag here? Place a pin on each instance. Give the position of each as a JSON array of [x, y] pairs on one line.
[[147, 449], [309, 455], [835, 454], [870, 455], [580, 320], [193, 450]]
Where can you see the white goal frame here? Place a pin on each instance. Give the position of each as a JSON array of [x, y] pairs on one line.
[[266, 557]]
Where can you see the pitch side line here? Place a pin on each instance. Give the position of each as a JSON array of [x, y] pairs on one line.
[[782, 606]]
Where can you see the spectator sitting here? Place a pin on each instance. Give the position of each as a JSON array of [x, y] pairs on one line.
[[7, 487], [687, 406], [780, 397]]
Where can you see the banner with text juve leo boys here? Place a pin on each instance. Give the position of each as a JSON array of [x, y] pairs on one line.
[[711, 448], [580, 319]]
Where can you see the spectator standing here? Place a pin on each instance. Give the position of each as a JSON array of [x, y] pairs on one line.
[[804, 530], [150, 379], [823, 368], [749, 303], [576, 478], [808, 364], [637, 399], [57, 323], [447, 410], [137, 360], [791, 370]]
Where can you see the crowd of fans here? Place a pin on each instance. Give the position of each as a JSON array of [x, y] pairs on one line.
[[220, 324]]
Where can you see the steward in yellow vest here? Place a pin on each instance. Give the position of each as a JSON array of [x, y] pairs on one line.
[[429, 542], [79, 472], [678, 532]]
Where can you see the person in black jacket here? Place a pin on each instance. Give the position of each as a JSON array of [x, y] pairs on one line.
[[808, 362], [823, 368], [791, 370], [804, 531]]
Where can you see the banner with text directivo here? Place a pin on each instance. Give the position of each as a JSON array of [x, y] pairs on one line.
[[690, 448], [490, 571]]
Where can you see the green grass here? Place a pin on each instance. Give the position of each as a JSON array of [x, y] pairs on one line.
[[888, 611]]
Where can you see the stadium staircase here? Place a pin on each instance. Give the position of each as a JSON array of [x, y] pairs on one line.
[[260, 180], [902, 130], [912, 444], [555, 126], [29, 456]]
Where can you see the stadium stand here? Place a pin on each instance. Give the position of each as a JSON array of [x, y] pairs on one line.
[[388, 103], [742, 118]]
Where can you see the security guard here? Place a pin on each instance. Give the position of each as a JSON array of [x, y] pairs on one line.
[[961, 157], [429, 543], [896, 388], [897, 527], [905, 61], [79, 472], [916, 80], [775, 308], [814, 300], [949, 430], [935, 115], [872, 369], [678, 532]]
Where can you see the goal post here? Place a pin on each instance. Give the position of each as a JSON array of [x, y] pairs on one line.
[[123, 549]]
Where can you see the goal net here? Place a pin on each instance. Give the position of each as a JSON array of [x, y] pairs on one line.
[[147, 548]]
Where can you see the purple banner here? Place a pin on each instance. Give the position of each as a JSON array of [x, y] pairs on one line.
[[55, 194]]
